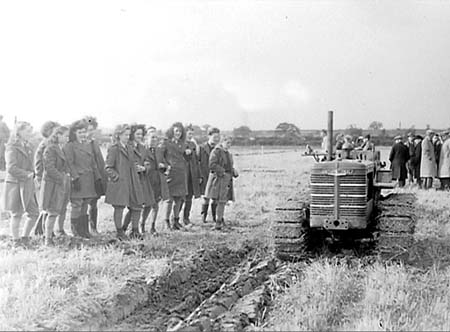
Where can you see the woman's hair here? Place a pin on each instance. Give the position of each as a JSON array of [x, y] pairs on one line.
[[136, 127], [213, 130], [18, 127], [77, 125], [170, 133], [227, 138], [53, 138], [189, 127], [91, 121], [119, 130], [47, 128]]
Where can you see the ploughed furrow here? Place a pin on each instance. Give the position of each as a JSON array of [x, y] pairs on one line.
[[290, 231], [395, 222], [174, 296]]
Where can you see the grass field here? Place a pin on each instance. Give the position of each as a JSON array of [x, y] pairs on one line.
[[62, 287]]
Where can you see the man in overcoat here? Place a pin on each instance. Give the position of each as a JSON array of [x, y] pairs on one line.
[[444, 163], [398, 157], [205, 152], [416, 158], [428, 167]]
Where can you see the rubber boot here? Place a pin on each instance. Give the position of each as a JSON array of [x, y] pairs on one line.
[[49, 224], [187, 212], [144, 215], [214, 211], [93, 221], [204, 212], [176, 224], [121, 235], [84, 226], [218, 225]]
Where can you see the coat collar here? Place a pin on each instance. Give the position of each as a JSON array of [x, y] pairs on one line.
[[25, 149], [86, 148]]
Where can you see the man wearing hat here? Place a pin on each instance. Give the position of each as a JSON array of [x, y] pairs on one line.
[[415, 159], [428, 168], [398, 157], [444, 161]]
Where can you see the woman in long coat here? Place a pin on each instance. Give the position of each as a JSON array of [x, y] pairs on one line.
[[157, 180], [46, 131], [193, 174], [398, 157], [55, 187], [82, 165], [444, 164], [171, 157], [124, 187], [428, 167], [19, 195], [219, 187], [140, 155]]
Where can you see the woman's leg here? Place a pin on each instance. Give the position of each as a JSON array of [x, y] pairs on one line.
[[49, 225], [220, 214], [177, 201], [126, 220], [168, 204], [117, 216], [204, 211], [135, 214], [144, 215], [32, 213], [75, 216], [15, 224], [153, 216]]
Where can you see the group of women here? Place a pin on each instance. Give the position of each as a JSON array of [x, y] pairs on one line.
[[140, 170]]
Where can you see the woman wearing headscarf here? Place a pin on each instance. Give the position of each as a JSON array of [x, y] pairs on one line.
[[124, 187], [55, 188], [171, 158], [219, 187], [19, 196]]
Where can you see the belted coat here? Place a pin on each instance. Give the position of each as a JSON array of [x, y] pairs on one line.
[[398, 157], [82, 165], [19, 192], [124, 187], [444, 164], [171, 153], [156, 176], [220, 179], [428, 167], [55, 185]]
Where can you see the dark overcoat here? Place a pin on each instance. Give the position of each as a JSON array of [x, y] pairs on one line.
[[193, 171], [141, 155], [220, 179], [171, 153], [124, 187], [415, 159], [398, 157], [156, 176], [55, 185], [81, 161], [100, 166], [19, 192], [205, 152]]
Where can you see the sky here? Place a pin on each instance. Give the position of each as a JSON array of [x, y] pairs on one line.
[[226, 63]]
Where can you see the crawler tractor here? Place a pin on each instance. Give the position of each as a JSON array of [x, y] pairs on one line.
[[344, 189]]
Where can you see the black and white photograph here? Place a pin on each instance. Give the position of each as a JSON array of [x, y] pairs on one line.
[[213, 165]]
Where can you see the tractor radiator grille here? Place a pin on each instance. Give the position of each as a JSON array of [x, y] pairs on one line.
[[352, 195]]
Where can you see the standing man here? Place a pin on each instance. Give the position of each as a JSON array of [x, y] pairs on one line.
[[444, 162], [193, 174], [428, 167], [100, 173], [398, 157], [411, 147], [205, 151], [4, 136], [416, 158]]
